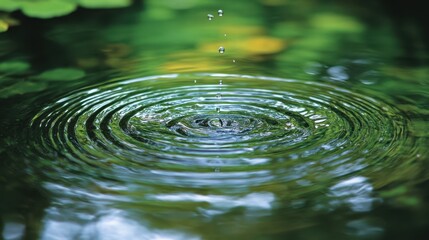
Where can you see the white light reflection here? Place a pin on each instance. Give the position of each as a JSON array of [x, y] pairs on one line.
[[221, 204], [112, 226], [338, 73], [13, 230], [355, 192]]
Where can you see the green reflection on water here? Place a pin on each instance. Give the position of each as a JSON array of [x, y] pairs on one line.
[[339, 151]]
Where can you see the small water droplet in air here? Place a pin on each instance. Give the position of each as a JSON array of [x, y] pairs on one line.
[[220, 82], [221, 49], [220, 12], [218, 96], [217, 109], [210, 16], [195, 81], [225, 34], [233, 60]]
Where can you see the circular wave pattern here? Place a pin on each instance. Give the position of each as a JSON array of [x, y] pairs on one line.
[[246, 131]]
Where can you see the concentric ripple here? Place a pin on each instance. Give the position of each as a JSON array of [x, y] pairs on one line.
[[247, 131]]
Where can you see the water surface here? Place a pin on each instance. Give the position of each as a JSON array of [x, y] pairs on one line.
[[129, 123]]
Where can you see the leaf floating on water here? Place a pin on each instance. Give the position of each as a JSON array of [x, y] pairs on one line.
[[47, 8], [14, 66], [55, 8], [104, 3], [22, 88], [9, 5], [62, 74]]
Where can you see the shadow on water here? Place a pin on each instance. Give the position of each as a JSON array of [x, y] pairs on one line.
[[314, 126]]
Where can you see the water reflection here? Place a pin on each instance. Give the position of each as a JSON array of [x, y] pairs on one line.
[[110, 225], [363, 228], [338, 73], [257, 200], [13, 229], [355, 192]]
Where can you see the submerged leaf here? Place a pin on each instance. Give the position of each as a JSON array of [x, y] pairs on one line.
[[104, 3], [14, 66], [47, 8], [22, 88], [62, 74]]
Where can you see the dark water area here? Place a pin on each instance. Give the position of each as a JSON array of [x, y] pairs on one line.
[[130, 124]]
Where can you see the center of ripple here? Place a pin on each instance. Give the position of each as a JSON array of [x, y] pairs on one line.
[[214, 126]]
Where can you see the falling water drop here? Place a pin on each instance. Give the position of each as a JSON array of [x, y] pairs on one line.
[[217, 109], [220, 12], [218, 96], [195, 81], [210, 16], [233, 60], [221, 49], [220, 82]]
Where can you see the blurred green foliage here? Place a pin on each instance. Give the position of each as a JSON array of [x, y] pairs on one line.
[[61, 74], [55, 8], [14, 66]]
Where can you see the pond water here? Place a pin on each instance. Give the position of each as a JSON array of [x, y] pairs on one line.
[[216, 120]]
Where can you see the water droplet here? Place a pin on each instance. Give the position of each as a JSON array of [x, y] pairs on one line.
[[217, 169], [225, 34], [220, 82], [221, 49], [217, 109], [220, 12], [219, 96], [210, 16], [233, 60], [195, 81]]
